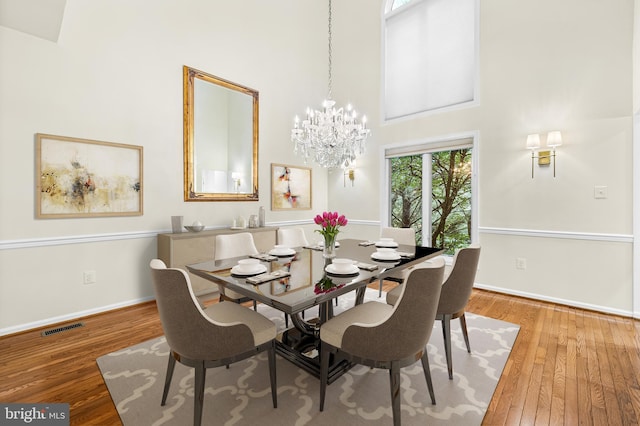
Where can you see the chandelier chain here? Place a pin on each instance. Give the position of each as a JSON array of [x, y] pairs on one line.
[[330, 53], [332, 136]]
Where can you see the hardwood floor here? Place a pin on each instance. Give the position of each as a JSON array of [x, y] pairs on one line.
[[568, 366]]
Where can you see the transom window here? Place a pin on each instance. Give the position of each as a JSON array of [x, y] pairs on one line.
[[430, 53], [399, 3]]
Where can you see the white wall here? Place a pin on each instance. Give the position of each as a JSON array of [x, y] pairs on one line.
[[544, 65], [636, 57], [636, 158], [115, 74]]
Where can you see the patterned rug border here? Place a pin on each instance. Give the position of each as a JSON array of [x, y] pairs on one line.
[[135, 375]]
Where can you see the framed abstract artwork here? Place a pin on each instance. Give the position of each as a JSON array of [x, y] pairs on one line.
[[290, 187], [86, 178]]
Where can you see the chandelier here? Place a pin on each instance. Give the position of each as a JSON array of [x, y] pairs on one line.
[[333, 137]]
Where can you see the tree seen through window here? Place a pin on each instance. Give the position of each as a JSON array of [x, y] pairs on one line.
[[450, 197]]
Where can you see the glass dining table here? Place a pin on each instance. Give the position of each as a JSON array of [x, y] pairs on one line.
[[298, 282]]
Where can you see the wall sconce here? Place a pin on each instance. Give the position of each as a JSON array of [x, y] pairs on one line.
[[351, 174], [554, 139]]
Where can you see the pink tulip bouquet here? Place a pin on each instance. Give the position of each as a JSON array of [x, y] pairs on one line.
[[330, 223]]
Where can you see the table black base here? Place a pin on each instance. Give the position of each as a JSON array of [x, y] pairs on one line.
[[303, 351]]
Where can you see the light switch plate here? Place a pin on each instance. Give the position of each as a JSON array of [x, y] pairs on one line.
[[600, 192]]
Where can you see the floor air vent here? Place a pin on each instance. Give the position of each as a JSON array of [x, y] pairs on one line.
[[61, 329]]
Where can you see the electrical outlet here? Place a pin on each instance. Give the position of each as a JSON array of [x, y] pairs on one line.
[[89, 277], [521, 263]]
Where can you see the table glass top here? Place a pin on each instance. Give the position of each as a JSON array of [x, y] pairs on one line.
[[308, 282]]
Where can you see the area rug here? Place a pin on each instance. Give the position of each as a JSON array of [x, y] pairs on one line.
[[241, 394]]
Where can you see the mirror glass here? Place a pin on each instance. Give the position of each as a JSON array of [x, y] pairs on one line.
[[220, 139]]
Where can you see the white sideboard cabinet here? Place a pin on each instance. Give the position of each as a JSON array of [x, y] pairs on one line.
[[180, 249]]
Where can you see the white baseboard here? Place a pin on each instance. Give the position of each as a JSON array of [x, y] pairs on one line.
[[101, 309], [543, 298], [71, 316]]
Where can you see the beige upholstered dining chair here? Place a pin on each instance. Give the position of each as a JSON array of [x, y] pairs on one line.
[[455, 295], [292, 237], [384, 336], [200, 338], [456, 291], [404, 236], [234, 245]]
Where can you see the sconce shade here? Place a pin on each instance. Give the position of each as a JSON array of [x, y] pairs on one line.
[[554, 139], [533, 141]]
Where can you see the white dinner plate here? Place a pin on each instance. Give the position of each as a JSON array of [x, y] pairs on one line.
[[351, 271], [388, 244], [387, 257], [242, 272], [282, 252]]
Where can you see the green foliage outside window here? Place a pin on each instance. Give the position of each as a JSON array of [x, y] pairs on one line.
[[450, 197], [406, 194]]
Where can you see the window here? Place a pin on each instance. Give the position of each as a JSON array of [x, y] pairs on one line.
[[429, 55], [398, 3], [431, 191]]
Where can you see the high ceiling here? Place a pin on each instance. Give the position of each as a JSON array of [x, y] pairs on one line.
[[40, 18]]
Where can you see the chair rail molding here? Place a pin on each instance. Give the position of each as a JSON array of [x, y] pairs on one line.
[[133, 235], [93, 238], [568, 235], [74, 239]]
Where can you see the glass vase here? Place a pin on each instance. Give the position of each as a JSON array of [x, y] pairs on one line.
[[329, 250]]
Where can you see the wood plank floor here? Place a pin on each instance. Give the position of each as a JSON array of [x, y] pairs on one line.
[[568, 366]]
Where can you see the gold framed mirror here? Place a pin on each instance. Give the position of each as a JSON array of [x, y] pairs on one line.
[[220, 139]]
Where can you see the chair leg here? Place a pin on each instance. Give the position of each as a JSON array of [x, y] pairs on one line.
[[272, 374], [380, 289], [198, 399], [463, 326], [167, 380], [394, 382], [427, 375], [446, 334], [255, 306], [286, 320], [324, 373]]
